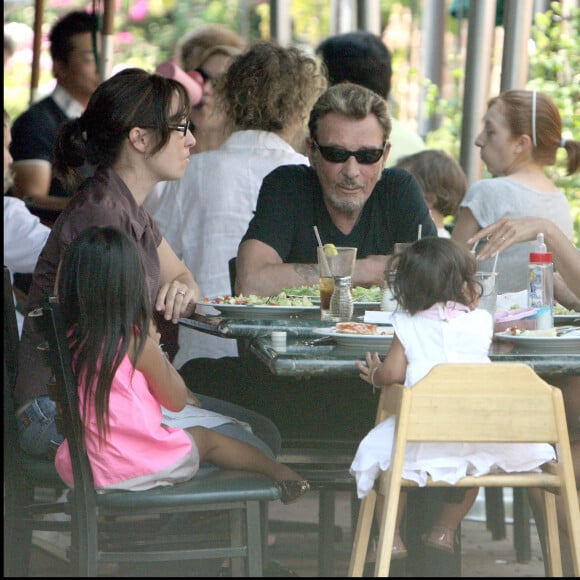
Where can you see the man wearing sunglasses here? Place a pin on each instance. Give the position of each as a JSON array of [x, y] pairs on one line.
[[346, 193]]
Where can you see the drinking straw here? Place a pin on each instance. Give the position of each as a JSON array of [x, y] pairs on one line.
[[420, 230], [321, 245], [474, 247], [495, 262], [318, 236]]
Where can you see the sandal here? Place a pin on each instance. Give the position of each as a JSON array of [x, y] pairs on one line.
[[292, 489], [440, 538]]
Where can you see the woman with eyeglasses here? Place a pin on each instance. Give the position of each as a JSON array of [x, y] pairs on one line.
[[135, 132], [346, 193]]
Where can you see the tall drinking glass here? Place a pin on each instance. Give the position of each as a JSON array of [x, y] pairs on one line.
[[333, 261], [488, 300]]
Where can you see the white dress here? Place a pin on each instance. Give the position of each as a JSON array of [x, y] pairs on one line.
[[437, 335]]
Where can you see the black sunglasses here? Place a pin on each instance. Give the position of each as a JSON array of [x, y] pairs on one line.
[[206, 76], [338, 155], [182, 128]]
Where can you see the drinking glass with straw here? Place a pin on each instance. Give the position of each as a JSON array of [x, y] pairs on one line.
[[488, 281], [326, 279]]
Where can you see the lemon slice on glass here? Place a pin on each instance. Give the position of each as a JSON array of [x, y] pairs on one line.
[[330, 250]]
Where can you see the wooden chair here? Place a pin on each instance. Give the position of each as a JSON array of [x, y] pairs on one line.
[[497, 402], [130, 526], [32, 486]]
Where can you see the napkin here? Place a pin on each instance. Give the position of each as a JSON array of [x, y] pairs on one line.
[[515, 300], [378, 317], [525, 318]]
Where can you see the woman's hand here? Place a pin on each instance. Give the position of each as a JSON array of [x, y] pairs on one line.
[[178, 292], [176, 300], [368, 370], [505, 232]]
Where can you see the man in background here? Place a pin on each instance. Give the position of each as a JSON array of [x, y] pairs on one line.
[[363, 58], [34, 131]]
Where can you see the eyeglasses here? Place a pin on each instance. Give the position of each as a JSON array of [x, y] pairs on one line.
[[182, 128], [206, 76], [339, 155]]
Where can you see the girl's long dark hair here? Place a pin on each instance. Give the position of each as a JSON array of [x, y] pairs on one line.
[[103, 294]]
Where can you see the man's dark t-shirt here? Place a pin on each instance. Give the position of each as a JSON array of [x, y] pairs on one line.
[[290, 203]]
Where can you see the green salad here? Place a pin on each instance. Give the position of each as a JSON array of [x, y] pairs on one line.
[[279, 300], [560, 310], [359, 293]]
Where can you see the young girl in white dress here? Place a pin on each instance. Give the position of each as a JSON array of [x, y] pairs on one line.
[[438, 321]]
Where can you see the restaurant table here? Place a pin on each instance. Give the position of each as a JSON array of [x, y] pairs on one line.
[[302, 360]]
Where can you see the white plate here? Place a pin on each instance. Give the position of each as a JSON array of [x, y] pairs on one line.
[[360, 341], [565, 343], [261, 310], [566, 317]]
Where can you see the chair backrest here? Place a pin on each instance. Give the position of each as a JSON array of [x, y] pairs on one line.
[[11, 342], [63, 390], [483, 402], [11, 336]]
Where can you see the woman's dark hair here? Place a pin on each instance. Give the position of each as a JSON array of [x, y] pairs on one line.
[[102, 290], [131, 98], [434, 270]]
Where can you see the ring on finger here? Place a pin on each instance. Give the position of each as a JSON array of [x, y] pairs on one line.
[[181, 291]]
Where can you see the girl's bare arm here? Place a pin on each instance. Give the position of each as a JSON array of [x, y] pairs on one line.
[[164, 381]]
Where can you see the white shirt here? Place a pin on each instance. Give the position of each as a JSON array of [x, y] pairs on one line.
[[24, 238], [404, 141], [204, 216]]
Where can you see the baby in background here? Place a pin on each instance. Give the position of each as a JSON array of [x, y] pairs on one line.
[[442, 180]]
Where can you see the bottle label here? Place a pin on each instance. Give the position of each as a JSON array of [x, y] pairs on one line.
[[540, 294]]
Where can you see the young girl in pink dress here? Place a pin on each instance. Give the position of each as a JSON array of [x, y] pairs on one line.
[[124, 378], [438, 322]]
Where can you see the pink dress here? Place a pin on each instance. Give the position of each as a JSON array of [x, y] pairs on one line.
[[442, 334], [139, 453]]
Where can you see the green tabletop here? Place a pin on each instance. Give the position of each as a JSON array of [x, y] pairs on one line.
[[300, 359]]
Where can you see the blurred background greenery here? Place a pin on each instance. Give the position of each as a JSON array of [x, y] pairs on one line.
[[147, 32]]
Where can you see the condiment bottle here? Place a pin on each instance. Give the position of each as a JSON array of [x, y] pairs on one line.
[[341, 305], [388, 302], [541, 284]]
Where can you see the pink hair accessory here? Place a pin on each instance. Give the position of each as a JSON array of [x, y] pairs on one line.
[[193, 81]]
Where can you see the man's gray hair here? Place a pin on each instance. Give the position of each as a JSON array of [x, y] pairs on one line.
[[351, 101]]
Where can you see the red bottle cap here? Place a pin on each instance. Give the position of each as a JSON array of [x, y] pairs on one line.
[[541, 257]]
